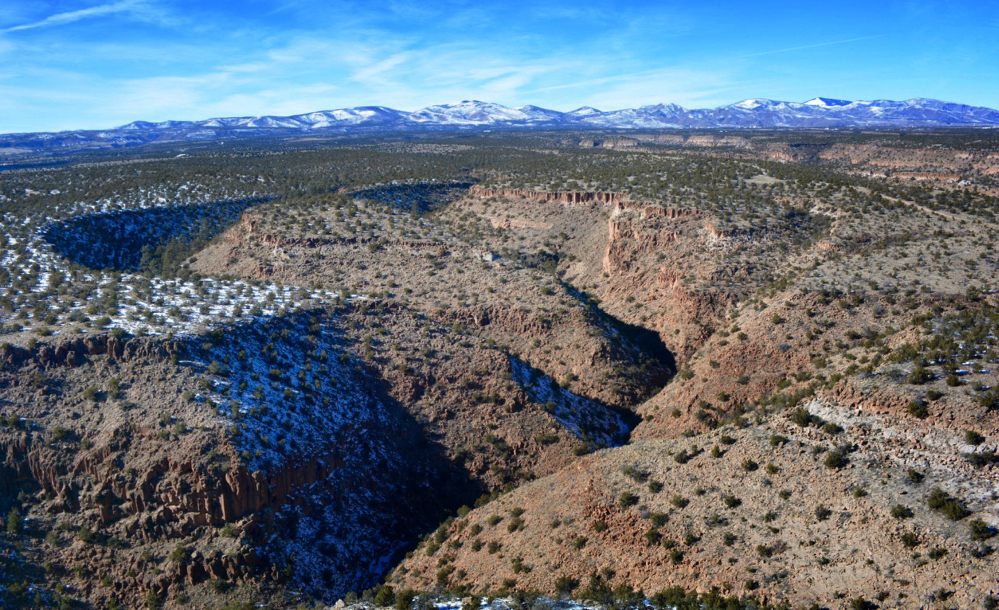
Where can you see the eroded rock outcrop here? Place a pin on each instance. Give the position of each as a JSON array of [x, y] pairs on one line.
[[74, 352], [571, 197]]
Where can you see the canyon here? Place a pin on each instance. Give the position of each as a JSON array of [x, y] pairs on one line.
[[757, 364]]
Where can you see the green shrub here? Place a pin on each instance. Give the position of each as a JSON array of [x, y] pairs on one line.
[[910, 540], [836, 459], [385, 596], [801, 417], [404, 600], [627, 499], [518, 565], [597, 590], [918, 409], [980, 459], [989, 400], [919, 376], [15, 521], [831, 428], [178, 554], [564, 585], [980, 530], [114, 389], [951, 507], [653, 537], [973, 438], [634, 473], [937, 553]]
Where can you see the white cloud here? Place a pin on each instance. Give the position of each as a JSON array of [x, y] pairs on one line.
[[808, 46], [376, 72], [687, 87], [139, 8]]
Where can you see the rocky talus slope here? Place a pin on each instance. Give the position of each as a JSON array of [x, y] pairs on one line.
[[775, 510]]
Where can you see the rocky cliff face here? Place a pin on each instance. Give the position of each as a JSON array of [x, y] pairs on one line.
[[569, 197], [635, 257], [76, 352], [154, 461]]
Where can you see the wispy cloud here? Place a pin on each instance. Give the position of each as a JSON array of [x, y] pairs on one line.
[[86, 13], [807, 46]]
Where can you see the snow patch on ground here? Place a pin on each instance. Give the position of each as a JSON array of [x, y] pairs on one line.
[[589, 420]]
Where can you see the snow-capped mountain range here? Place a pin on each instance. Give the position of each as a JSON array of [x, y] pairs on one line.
[[819, 112]]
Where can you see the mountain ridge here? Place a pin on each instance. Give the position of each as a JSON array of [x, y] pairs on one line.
[[753, 113]]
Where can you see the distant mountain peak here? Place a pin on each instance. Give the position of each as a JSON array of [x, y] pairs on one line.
[[827, 102], [816, 113], [753, 103]]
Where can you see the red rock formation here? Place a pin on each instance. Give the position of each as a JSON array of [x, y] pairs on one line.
[[571, 197], [654, 211], [928, 176]]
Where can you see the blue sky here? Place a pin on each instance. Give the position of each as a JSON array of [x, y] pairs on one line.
[[75, 64]]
